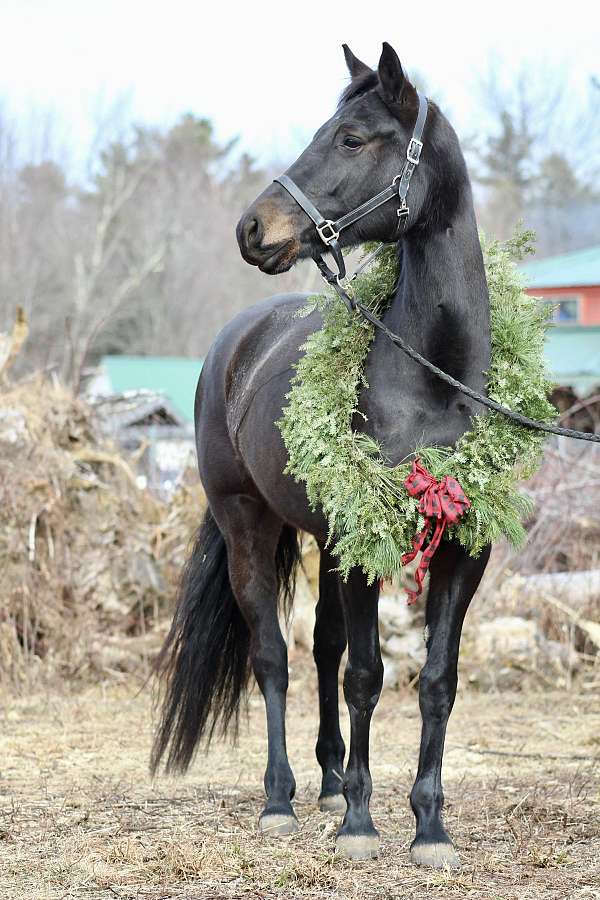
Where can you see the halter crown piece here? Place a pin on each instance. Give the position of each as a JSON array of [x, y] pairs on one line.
[[329, 231]]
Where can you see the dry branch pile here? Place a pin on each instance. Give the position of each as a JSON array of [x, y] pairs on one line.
[[553, 582], [88, 559], [564, 533]]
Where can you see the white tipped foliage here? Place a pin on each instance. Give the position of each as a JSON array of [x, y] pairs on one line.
[[372, 519]]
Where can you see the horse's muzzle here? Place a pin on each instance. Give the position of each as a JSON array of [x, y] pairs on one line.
[[268, 233], [271, 256]]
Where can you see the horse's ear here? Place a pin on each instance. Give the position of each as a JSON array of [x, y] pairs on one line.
[[355, 66], [393, 80]]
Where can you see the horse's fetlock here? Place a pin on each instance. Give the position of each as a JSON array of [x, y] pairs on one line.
[[280, 783], [330, 751], [426, 795]]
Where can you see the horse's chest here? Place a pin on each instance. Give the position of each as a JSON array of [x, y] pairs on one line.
[[404, 416], [389, 420]]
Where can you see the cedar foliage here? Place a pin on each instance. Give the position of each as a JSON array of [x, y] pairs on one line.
[[372, 519]]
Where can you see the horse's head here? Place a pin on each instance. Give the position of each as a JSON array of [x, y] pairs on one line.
[[353, 156]]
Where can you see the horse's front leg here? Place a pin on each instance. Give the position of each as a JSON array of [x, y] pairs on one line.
[[357, 837], [329, 644], [455, 577]]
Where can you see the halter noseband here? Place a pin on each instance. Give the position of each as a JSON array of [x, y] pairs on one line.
[[329, 231]]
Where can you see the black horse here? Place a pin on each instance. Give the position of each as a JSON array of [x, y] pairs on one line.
[[246, 549]]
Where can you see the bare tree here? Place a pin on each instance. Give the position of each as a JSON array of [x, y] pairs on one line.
[[142, 258], [139, 254], [541, 160]]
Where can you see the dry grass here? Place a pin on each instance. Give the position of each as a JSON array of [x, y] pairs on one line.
[[79, 815], [80, 818]]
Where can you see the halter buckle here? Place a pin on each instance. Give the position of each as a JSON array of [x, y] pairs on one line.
[[403, 211], [413, 151], [331, 235]]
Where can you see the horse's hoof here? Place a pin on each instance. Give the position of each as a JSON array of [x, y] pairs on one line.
[[276, 824], [333, 803], [358, 846], [437, 856]]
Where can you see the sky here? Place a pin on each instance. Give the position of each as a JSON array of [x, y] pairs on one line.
[[268, 72]]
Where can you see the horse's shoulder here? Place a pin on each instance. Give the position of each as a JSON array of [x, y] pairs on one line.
[[265, 333], [259, 344]]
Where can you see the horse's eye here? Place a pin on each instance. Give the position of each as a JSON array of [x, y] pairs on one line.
[[352, 143]]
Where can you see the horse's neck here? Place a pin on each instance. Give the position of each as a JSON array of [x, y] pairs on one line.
[[441, 308], [441, 304]]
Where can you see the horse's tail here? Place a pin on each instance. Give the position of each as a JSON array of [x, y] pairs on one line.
[[204, 662]]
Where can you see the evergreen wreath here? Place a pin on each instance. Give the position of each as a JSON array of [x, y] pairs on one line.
[[371, 516]]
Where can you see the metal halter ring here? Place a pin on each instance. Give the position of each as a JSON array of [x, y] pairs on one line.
[[333, 234]]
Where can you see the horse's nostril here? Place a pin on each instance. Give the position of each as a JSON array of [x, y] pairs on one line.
[[253, 233], [250, 235]]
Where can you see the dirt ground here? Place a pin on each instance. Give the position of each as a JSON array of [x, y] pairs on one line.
[[80, 818]]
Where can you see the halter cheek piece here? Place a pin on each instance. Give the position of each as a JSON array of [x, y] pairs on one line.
[[329, 231]]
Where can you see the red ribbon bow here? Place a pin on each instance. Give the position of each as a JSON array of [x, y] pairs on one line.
[[442, 503]]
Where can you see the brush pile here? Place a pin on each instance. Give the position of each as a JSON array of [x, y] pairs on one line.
[[89, 561]]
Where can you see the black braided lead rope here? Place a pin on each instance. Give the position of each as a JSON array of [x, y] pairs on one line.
[[479, 398]]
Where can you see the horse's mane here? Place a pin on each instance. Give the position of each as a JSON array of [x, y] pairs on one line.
[[359, 85]]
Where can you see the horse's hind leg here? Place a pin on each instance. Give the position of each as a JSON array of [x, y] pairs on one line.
[[329, 644], [455, 577], [357, 837], [252, 534]]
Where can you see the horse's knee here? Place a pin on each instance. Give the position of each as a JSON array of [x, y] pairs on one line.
[[437, 690], [433, 682], [363, 682]]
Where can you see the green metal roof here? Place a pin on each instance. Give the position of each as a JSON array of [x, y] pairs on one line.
[[174, 376], [581, 268], [573, 356]]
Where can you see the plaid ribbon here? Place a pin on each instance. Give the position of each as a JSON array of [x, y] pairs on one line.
[[441, 503]]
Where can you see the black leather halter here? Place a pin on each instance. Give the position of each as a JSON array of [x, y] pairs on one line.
[[329, 231]]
